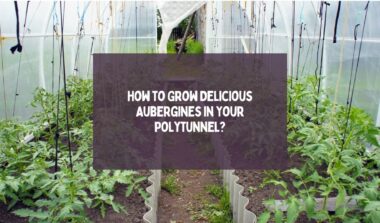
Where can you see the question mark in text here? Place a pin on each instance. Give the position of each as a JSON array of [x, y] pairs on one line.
[[222, 126]]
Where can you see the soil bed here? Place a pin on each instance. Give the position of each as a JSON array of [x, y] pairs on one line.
[[252, 181], [257, 192], [7, 216], [134, 205], [189, 202]]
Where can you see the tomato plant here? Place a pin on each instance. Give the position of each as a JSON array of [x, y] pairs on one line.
[[336, 161], [27, 173]]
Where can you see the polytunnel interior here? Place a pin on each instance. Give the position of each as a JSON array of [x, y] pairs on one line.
[[50, 129], [229, 27]]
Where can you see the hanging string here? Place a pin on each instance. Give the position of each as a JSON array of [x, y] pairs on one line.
[[292, 53], [356, 72], [56, 137], [319, 37], [136, 26], [55, 33], [300, 41], [239, 26], [243, 28], [20, 56], [352, 65], [321, 62], [358, 59], [89, 57], [258, 28], [2, 71], [336, 21], [18, 46], [310, 44], [272, 25], [341, 54], [250, 29], [232, 30], [299, 49], [26, 12], [80, 34], [253, 27], [67, 94], [52, 62], [122, 25], [263, 28]]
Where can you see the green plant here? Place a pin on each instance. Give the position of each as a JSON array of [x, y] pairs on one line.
[[193, 47], [171, 47], [27, 170], [219, 212], [215, 190], [336, 162], [171, 185]]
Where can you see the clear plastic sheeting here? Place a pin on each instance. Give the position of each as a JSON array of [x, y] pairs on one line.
[[89, 27], [296, 28], [172, 13], [267, 27], [134, 29]]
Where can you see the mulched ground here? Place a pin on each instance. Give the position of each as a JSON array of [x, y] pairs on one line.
[[183, 207]]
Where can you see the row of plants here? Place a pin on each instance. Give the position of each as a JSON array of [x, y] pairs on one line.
[[33, 187], [192, 46], [337, 154]]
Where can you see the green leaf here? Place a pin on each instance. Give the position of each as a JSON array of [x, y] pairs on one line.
[[374, 216], [321, 216], [350, 220], [102, 210], [44, 202], [314, 177], [292, 212], [372, 206], [30, 213], [115, 207], [139, 179], [371, 194], [65, 211], [296, 172], [37, 194], [129, 190], [310, 206], [264, 217], [340, 204], [373, 140], [12, 204], [278, 216], [143, 194], [283, 193], [13, 184]]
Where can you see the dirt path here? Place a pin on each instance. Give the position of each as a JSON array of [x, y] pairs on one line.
[[187, 205]]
